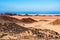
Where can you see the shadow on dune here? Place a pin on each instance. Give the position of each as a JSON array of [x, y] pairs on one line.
[[28, 20], [11, 19], [56, 22], [12, 27], [44, 20], [32, 32], [8, 19]]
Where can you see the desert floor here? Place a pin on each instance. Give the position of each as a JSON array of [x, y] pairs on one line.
[[30, 26], [41, 23]]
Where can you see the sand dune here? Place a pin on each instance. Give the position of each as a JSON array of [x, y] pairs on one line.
[[29, 27], [28, 20], [56, 22]]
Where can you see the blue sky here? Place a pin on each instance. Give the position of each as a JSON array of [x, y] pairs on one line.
[[44, 6]]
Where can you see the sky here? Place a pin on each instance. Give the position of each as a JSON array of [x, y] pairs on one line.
[[38, 6]]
